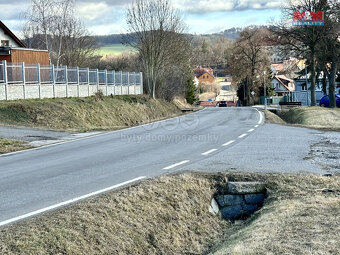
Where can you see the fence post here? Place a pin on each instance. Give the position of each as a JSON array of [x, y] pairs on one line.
[[78, 92], [39, 79], [114, 82], [141, 84], [128, 81], [106, 80], [4, 64], [97, 75], [121, 82], [66, 80], [88, 81], [53, 80], [23, 79]]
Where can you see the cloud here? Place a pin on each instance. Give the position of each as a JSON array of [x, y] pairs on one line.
[[204, 6]]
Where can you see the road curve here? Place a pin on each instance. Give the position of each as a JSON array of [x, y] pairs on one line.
[[46, 178]]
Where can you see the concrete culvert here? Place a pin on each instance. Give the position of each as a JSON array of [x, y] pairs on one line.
[[239, 200]]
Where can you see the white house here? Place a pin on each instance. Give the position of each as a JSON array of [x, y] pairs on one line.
[[282, 85], [8, 39]]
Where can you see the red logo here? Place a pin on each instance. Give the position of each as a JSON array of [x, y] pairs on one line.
[[308, 18]]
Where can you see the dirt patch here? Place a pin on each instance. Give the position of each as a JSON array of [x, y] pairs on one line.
[[170, 215], [84, 114], [7, 145], [327, 152]]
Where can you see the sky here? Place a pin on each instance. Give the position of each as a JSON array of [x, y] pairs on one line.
[[103, 17]]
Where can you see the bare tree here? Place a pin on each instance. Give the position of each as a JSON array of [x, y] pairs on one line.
[[39, 24], [328, 54], [53, 26], [304, 40], [156, 31], [249, 60]]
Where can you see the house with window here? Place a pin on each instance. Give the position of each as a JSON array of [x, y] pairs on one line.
[[282, 85], [13, 50], [205, 75]]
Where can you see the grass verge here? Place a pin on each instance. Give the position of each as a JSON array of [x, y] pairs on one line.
[[83, 114], [169, 215], [313, 117], [7, 145]]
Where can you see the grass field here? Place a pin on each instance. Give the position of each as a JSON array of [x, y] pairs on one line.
[[113, 50]]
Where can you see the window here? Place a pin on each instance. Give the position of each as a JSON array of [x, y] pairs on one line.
[[4, 43], [303, 87]]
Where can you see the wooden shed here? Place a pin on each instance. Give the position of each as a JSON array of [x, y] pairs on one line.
[[28, 56]]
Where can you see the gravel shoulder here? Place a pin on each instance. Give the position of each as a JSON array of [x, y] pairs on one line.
[[39, 137]]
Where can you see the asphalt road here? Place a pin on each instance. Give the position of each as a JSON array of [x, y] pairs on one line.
[[46, 178]]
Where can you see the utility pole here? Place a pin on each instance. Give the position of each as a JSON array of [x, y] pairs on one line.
[[307, 84], [265, 90]]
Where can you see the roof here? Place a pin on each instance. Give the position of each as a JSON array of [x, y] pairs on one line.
[[200, 71], [278, 67], [280, 78], [10, 34]]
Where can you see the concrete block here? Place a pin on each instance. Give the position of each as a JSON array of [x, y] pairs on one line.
[[249, 209], [246, 187], [254, 198], [231, 212], [213, 208], [226, 200]]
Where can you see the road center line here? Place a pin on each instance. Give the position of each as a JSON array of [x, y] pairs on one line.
[[251, 130], [243, 135], [261, 117], [177, 164], [68, 202], [209, 152], [228, 143], [256, 126]]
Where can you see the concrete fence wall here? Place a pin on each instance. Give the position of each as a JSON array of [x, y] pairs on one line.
[[20, 81]]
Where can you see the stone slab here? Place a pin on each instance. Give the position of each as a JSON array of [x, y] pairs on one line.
[[232, 212], [254, 198], [242, 188]]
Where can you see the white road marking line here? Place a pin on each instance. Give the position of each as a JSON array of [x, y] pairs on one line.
[[243, 135], [209, 152], [177, 164], [256, 126], [68, 202], [261, 117], [251, 130], [228, 143]]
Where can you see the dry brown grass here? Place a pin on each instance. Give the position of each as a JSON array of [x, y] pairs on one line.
[[7, 145], [313, 117], [83, 114], [273, 118], [297, 218], [169, 215], [207, 95]]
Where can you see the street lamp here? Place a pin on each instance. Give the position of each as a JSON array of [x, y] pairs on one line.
[[265, 90]]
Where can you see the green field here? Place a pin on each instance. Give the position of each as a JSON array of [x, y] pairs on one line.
[[113, 50]]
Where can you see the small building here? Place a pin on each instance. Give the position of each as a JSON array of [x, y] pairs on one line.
[[13, 50], [282, 85], [205, 75]]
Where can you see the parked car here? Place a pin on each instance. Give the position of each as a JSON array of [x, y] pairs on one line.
[[222, 104], [324, 101]]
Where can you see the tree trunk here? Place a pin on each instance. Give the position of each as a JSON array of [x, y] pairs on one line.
[[313, 79], [331, 88], [324, 82]]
